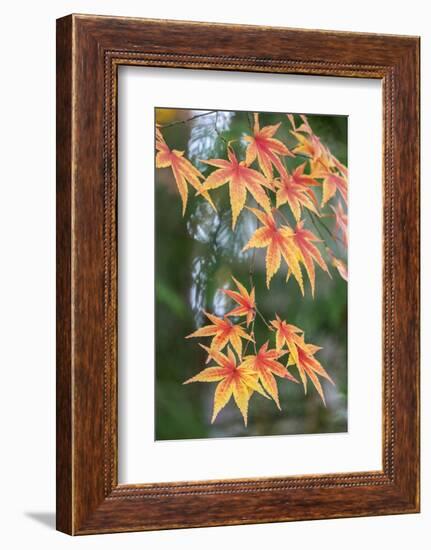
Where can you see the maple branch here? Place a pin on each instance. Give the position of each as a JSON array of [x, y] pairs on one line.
[[250, 121], [217, 130], [253, 336], [263, 318], [283, 217], [176, 122], [313, 218]]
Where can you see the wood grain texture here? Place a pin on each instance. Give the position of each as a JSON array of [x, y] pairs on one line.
[[64, 497], [90, 49]]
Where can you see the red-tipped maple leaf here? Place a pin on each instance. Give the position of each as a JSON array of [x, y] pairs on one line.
[[223, 332], [265, 364], [294, 189], [245, 300], [331, 184], [340, 167], [309, 366], [266, 148], [310, 145], [241, 179], [341, 268], [239, 381], [279, 244], [323, 163], [182, 169], [308, 252], [304, 126], [339, 265], [288, 335], [341, 221]]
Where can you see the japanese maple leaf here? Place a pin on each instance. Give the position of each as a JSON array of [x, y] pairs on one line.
[[223, 332], [341, 221], [332, 183], [266, 148], [182, 169], [308, 252], [279, 244], [340, 167], [241, 179], [265, 363], [309, 366], [294, 189], [339, 265], [239, 381], [310, 145], [304, 126], [288, 335], [245, 300]]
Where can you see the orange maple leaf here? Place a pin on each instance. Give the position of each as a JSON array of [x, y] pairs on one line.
[[265, 364], [308, 252], [245, 300], [339, 265], [239, 381], [341, 221], [223, 332], [241, 179], [309, 366], [293, 189], [266, 148], [279, 244], [182, 169], [340, 167], [310, 145], [322, 161], [288, 335], [331, 184]]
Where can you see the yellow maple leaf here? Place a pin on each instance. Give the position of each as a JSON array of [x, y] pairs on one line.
[[245, 300], [265, 363], [308, 252], [223, 332], [182, 169], [266, 148], [279, 244], [294, 189], [309, 366], [239, 381], [241, 179]]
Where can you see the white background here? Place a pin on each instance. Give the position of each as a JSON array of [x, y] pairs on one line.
[[141, 458], [27, 122]]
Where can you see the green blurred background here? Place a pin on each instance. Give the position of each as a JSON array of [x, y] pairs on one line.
[[197, 254]]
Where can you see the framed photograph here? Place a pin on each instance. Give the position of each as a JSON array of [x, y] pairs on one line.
[[237, 274]]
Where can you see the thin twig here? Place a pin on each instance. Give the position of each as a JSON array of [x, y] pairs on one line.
[[263, 318], [250, 121], [186, 120], [217, 130], [284, 218], [252, 335], [313, 217]]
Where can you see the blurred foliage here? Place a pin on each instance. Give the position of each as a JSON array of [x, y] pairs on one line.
[[197, 255]]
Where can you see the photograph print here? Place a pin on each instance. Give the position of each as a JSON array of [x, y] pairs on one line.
[[251, 225]]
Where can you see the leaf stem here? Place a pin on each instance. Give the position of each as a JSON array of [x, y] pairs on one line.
[[262, 317], [315, 218]]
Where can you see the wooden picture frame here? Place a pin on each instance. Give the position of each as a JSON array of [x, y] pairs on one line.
[[89, 51]]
